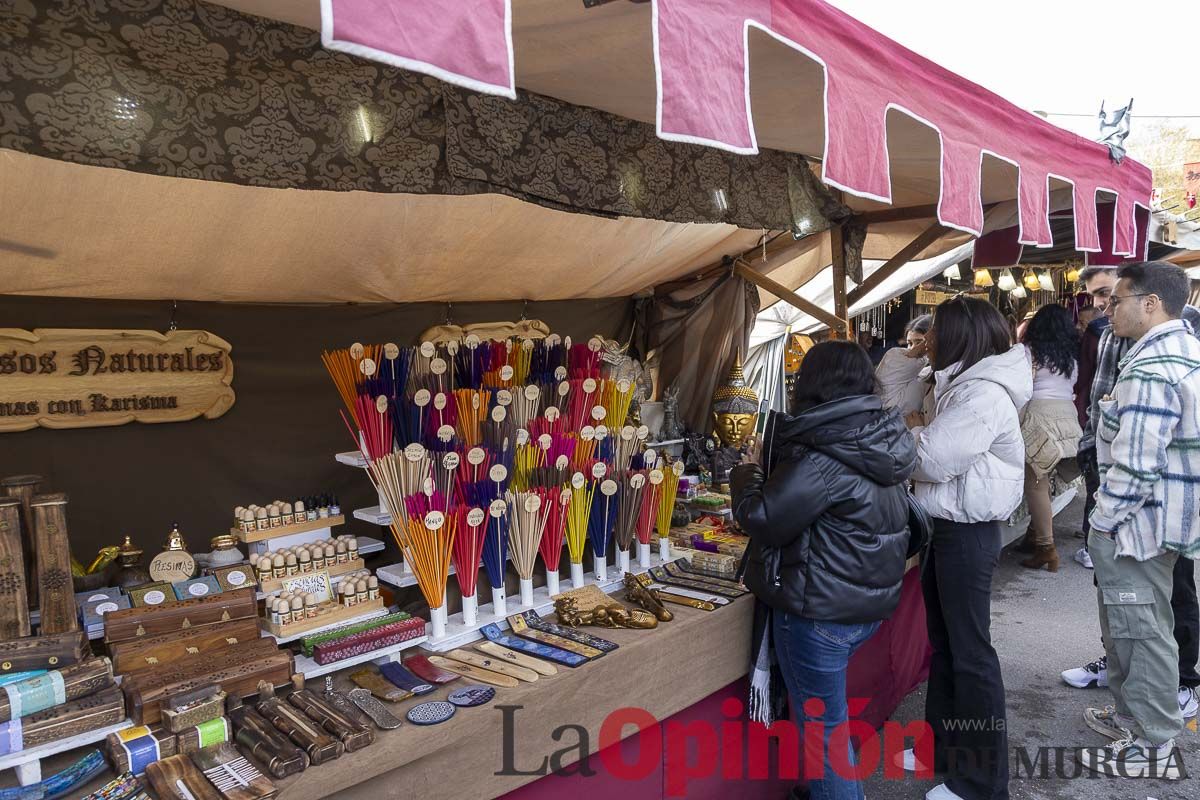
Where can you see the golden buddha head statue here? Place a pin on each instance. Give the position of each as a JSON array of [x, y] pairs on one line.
[[735, 408]]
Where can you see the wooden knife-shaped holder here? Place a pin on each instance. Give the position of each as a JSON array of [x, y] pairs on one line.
[[23, 488], [14, 596], [311, 737], [344, 728], [260, 739]]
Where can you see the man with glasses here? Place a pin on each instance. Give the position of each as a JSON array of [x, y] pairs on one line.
[[1098, 371], [1146, 518]]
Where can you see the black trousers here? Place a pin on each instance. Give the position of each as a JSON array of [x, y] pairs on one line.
[[1183, 593], [965, 702]]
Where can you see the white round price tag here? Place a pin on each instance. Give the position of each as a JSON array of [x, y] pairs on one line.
[[450, 461], [532, 393], [498, 508], [434, 520], [356, 352], [589, 385], [532, 503], [422, 398], [476, 456], [475, 517], [637, 481], [599, 470], [498, 473], [578, 481], [367, 365], [391, 351], [656, 477], [504, 397], [608, 488], [414, 452], [428, 349], [439, 401]]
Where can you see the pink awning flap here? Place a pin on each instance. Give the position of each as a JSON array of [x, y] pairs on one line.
[[702, 69]]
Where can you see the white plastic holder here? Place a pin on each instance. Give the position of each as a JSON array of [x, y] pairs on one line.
[[622, 562], [576, 574], [499, 605], [601, 568], [664, 548], [383, 506], [437, 622], [643, 556], [552, 581], [470, 609], [526, 592]]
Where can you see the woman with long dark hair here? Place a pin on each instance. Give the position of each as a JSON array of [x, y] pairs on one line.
[[899, 373], [827, 516], [968, 477], [1049, 424]]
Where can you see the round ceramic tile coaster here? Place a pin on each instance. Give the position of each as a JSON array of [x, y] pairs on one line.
[[472, 695], [431, 713]]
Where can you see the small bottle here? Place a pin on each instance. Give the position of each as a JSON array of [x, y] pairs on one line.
[[273, 606], [343, 595], [318, 557], [305, 559], [360, 591], [297, 609], [352, 548], [283, 612], [262, 567], [298, 511], [274, 517], [289, 516], [278, 566], [335, 510], [372, 588], [311, 505], [237, 515], [330, 556], [292, 567], [323, 508], [310, 606], [247, 521], [343, 553], [260, 519]]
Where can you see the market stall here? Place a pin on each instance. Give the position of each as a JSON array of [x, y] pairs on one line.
[[527, 208]]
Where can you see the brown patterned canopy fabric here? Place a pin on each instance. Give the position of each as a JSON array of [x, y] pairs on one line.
[[191, 90]]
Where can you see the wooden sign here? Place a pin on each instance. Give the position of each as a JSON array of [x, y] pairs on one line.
[[78, 378]]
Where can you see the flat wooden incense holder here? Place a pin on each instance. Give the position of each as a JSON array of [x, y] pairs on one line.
[[42, 652], [150, 652], [345, 728]]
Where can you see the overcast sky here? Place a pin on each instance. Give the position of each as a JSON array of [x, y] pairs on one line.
[[1057, 55]]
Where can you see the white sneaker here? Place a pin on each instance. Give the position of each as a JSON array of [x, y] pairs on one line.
[[908, 761], [1093, 674], [1189, 703], [1084, 557], [1133, 757], [941, 792]]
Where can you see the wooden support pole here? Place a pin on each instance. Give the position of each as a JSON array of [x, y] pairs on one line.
[[906, 254], [783, 293], [837, 247]]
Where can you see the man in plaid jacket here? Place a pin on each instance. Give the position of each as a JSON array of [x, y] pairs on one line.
[[1147, 517]]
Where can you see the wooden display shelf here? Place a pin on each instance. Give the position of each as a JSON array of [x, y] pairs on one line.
[[331, 614], [287, 530], [275, 585], [28, 763]]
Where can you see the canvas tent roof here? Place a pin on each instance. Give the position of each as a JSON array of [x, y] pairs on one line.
[[77, 230]]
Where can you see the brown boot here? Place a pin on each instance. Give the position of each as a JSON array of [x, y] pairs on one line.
[[1026, 545], [1043, 557]]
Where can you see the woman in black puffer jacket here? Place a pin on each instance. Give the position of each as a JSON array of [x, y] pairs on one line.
[[828, 527]]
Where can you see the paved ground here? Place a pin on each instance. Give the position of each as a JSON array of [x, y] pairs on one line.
[[1043, 623]]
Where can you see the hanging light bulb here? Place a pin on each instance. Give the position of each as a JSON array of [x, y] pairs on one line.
[[1072, 274], [1007, 282], [1046, 281], [983, 277], [1031, 281], [1019, 293], [952, 273]]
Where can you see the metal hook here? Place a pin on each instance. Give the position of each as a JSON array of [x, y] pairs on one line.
[[449, 308], [172, 325], [524, 310]]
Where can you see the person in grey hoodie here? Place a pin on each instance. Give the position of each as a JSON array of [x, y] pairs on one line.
[[969, 476]]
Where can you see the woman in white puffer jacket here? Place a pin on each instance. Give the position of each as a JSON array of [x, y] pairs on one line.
[[969, 477]]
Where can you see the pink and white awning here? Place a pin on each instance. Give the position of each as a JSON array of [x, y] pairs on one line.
[[869, 87]]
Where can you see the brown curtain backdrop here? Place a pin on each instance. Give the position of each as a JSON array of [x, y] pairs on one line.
[[278, 440], [697, 330]]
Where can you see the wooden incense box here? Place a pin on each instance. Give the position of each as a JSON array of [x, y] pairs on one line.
[[157, 651], [56, 589], [189, 709], [14, 597], [309, 735], [327, 614], [237, 670], [344, 728], [261, 739], [134, 748], [99, 710], [235, 777], [177, 778], [367, 641], [38, 693], [42, 652], [172, 617], [205, 734]]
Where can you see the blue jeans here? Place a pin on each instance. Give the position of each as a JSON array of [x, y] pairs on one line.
[[813, 657]]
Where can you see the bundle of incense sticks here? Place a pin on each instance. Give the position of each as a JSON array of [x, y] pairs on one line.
[[498, 430], [472, 407], [520, 359], [470, 364], [629, 505], [666, 506], [625, 446], [446, 470], [584, 360], [426, 544], [472, 529], [601, 523], [527, 518], [526, 402], [441, 421], [557, 501], [551, 477], [550, 422], [617, 397], [527, 459], [479, 464], [495, 553], [647, 515], [374, 425], [584, 394], [578, 513], [585, 448]]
